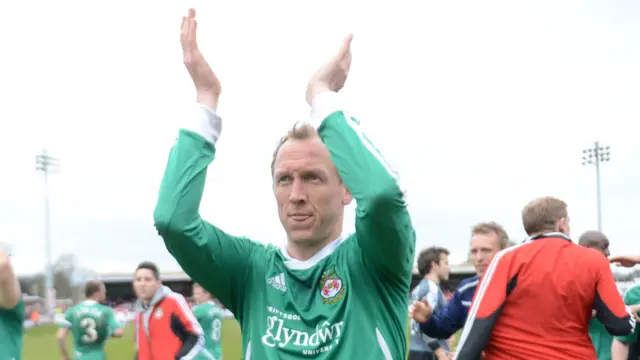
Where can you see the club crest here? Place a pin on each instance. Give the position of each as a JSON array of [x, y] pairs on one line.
[[332, 288]]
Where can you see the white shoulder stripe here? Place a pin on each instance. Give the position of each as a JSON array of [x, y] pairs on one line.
[[480, 294]]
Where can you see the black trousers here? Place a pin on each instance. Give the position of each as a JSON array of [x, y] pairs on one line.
[[421, 355]]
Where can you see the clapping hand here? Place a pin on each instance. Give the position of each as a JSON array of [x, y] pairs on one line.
[[204, 79], [332, 75]]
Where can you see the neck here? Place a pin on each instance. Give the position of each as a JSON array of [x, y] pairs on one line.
[[304, 251], [433, 277]]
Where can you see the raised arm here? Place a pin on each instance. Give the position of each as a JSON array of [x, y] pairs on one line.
[[212, 258], [383, 225], [608, 304], [9, 285]]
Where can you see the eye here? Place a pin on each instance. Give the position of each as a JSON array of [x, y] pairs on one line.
[[312, 177], [284, 179]]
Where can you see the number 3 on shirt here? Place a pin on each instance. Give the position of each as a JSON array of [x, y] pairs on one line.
[[89, 327], [216, 329]]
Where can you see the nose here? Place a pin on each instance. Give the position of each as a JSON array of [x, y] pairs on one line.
[[298, 192]]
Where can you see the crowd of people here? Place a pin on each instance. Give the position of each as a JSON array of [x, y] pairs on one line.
[[328, 296]]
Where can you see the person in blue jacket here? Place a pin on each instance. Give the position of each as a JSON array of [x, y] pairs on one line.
[[487, 239]]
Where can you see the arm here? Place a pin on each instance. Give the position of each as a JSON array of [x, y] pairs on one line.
[[383, 225], [620, 345], [186, 326], [116, 328], [608, 304], [9, 285], [619, 350], [445, 322], [200, 248], [486, 308], [61, 336], [62, 342]]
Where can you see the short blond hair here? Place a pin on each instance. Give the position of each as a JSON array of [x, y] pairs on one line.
[[299, 131], [541, 215], [492, 227]]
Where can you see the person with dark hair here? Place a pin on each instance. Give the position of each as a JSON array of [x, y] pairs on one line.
[[433, 267], [91, 324], [12, 312], [166, 328], [210, 317]]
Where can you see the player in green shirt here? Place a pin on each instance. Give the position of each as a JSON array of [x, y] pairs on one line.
[[628, 347], [91, 324], [324, 296], [11, 311], [210, 317]]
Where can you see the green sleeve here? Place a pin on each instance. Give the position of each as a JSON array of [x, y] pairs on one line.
[[631, 297], [217, 261], [67, 321], [113, 321], [383, 225]]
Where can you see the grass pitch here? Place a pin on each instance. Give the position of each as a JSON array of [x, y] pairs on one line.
[[40, 343]]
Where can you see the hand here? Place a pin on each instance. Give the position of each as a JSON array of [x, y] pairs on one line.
[[634, 310], [205, 80], [420, 311], [332, 75], [626, 261]]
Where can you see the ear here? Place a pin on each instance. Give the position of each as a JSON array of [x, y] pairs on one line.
[[347, 198]]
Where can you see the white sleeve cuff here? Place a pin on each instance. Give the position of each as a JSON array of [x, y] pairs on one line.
[[323, 105], [204, 122]]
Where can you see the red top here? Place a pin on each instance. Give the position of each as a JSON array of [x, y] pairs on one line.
[[535, 302], [169, 332]]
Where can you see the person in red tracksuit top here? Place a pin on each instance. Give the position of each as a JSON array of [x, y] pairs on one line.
[[536, 299], [166, 328]]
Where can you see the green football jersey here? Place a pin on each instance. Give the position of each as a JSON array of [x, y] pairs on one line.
[[11, 332], [91, 324], [210, 317], [349, 301]]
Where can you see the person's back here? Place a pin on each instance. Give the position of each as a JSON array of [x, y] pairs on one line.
[[210, 317], [91, 325], [536, 299], [551, 300]]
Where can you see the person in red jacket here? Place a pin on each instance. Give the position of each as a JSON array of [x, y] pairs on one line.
[[536, 299], [166, 328]]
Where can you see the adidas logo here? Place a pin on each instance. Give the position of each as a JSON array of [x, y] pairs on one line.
[[277, 282]]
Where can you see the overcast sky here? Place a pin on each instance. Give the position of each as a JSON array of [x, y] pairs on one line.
[[480, 106]]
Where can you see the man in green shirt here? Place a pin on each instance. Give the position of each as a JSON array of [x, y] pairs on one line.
[[325, 295], [210, 317], [91, 324], [11, 311], [599, 335], [628, 347]]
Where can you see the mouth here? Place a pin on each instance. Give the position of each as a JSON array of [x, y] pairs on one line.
[[299, 217]]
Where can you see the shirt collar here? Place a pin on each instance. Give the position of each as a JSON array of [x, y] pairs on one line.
[[554, 234]]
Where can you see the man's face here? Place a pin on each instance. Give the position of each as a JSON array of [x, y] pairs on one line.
[[102, 294], [200, 295], [145, 284], [442, 267], [309, 192], [483, 248]]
